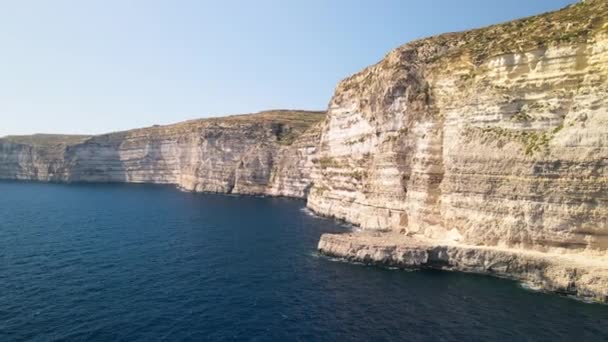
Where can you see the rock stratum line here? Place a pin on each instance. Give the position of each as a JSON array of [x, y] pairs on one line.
[[482, 151]]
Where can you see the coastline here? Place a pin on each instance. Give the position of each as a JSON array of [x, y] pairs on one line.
[[581, 276], [448, 153]]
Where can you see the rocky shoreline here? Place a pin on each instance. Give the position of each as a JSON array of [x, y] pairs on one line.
[[582, 276]]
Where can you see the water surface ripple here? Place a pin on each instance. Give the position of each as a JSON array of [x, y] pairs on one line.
[[113, 262]]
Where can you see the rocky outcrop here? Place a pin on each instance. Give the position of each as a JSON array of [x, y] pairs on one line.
[[246, 154], [575, 275]]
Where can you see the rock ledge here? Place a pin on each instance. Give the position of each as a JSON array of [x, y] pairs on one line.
[[578, 275]]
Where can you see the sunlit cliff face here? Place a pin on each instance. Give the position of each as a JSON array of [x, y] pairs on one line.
[[265, 153], [494, 137]]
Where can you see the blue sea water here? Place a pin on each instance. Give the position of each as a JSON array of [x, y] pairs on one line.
[[113, 262]]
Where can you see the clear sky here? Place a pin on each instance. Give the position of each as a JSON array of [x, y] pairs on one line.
[[86, 66]]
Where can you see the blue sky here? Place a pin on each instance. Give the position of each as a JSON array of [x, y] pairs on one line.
[[99, 66]]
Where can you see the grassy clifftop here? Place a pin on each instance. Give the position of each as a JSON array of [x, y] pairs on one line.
[[576, 23], [46, 139], [296, 120]]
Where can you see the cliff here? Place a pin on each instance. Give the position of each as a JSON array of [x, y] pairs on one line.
[[496, 137], [243, 154], [482, 151]]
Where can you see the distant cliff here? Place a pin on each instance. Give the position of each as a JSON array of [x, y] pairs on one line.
[[482, 151], [245, 154]]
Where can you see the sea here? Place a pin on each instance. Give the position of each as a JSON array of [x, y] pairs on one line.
[[129, 262]]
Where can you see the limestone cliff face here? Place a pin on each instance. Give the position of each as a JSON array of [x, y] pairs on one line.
[[39, 157], [292, 177], [240, 154], [497, 136]]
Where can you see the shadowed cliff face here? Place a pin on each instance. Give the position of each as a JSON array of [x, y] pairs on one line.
[[495, 136], [236, 154]]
